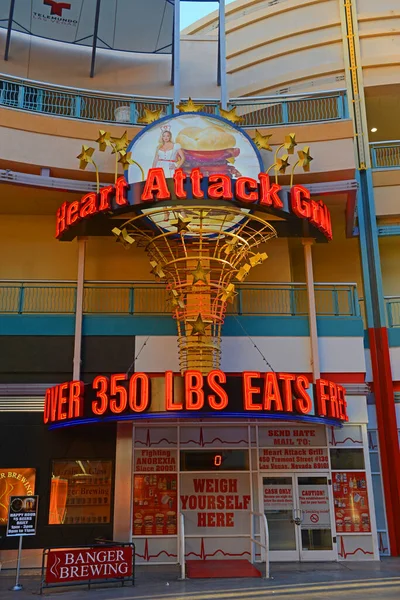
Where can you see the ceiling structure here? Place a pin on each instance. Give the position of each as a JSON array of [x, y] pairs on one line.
[[127, 25], [142, 26]]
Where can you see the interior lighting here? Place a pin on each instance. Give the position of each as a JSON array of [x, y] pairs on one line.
[[374, 129]]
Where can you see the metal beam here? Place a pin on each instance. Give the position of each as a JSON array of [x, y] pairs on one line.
[[176, 53], [95, 32], [173, 53], [9, 27], [222, 55]]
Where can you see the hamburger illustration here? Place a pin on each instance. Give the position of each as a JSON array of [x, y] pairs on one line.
[[211, 149], [138, 522], [159, 519], [148, 521], [171, 519]]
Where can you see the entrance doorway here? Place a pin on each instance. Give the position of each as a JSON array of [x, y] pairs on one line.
[[298, 507]]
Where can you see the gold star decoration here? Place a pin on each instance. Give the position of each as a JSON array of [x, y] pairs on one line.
[[177, 299], [305, 158], [181, 224], [125, 159], [290, 142], [85, 157], [243, 272], [123, 236], [157, 270], [228, 294], [262, 141], [199, 274], [150, 116], [230, 244], [119, 144], [282, 164], [230, 115], [199, 327], [189, 106], [258, 259], [103, 140]]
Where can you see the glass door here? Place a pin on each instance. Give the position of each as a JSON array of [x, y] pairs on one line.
[[298, 508], [280, 508], [314, 510]]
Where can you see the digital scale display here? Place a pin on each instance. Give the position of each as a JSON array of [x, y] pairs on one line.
[[214, 460]]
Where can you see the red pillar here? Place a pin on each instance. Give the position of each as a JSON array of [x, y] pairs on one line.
[[387, 430]]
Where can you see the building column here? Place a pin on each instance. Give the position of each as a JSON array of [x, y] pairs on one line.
[[123, 490], [222, 80], [312, 312], [372, 276], [380, 357], [176, 56], [76, 373]]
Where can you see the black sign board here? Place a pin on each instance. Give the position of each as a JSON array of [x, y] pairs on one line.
[[22, 515]]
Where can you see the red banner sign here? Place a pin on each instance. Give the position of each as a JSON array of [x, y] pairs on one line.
[[84, 564]]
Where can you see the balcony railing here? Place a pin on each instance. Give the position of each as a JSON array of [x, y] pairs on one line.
[[89, 105], [146, 298], [385, 155], [393, 311]]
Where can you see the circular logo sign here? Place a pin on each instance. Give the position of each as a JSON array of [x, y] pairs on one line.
[[314, 518], [194, 140]]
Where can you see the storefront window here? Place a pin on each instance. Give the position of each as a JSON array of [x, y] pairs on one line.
[[155, 505], [347, 458], [14, 482], [156, 491], [80, 492]]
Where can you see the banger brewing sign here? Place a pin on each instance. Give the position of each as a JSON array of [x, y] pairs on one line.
[[84, 564]]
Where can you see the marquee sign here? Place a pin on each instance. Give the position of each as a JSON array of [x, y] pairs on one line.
[[188, 158], [188, 188], [285, 396]]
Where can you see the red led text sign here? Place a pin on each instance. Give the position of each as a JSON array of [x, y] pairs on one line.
[[250, 393], [84, 564], [244, 190]]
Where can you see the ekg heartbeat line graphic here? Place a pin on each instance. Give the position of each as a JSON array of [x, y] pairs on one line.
[[147, 556], [371, 444], [344, 554], [382, 547], [201, 442], [148, 443], [203, 554], [335, 442]]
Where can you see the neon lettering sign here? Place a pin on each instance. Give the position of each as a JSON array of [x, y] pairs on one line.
[[244, 191], [250, 393]]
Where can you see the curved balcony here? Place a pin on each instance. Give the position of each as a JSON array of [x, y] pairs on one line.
[[385, 155], [86, 105], [148, 298]]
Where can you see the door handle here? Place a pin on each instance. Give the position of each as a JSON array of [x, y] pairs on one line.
[[297, 518]]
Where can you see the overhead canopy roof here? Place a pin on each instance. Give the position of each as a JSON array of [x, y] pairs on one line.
[[128, 25]]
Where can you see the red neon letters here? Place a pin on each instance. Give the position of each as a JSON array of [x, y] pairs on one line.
[[220, 187], [257, 393]]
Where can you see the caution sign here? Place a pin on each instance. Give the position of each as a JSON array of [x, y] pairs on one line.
[[22, 515]]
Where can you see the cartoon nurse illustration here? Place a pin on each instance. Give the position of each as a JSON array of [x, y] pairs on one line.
[[169, 156]]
